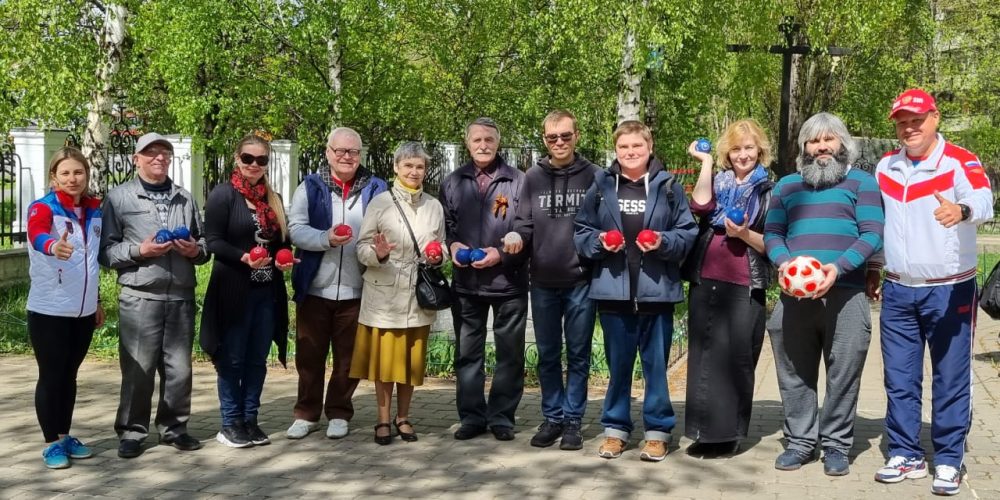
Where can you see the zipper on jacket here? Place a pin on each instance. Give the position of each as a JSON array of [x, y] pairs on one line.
[[60, 275], [86, 268]]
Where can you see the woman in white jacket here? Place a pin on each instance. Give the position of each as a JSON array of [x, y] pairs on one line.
[[391, 343]]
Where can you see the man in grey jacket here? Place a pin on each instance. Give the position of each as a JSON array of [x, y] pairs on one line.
[[156, 304], [327, 282]]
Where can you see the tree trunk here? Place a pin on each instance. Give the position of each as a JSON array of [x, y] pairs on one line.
[[110, 40], [334, 59], [630, 80]]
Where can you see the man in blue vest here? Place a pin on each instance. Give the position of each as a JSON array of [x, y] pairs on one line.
[[326, 213]]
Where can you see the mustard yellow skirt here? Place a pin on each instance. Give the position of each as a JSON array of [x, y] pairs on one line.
[[390, 355]]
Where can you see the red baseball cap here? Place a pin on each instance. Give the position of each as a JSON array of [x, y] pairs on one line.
[[914, 100]]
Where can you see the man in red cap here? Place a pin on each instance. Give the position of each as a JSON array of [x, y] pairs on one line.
[[935, 194]]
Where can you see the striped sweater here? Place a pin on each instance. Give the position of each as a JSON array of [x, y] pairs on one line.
[[840, 225]]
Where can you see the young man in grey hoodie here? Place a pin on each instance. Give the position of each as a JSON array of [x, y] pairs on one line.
[[560, 279], [327, 282]]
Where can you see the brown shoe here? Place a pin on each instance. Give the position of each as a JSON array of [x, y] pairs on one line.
[[612, 448], [654, 451]]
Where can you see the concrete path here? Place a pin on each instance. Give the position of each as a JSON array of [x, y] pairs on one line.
[[437, 466]]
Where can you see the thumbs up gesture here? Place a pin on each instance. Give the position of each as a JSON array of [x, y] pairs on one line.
[[62, 248], [947, 214]]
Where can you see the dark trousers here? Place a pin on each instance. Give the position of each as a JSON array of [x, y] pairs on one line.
[[559, 313], [725, 336], [60, 344], [470, 313], [155, 337], [322, 324], [242, 358]]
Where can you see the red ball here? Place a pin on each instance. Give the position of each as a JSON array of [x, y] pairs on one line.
[[284, 257], [614, 238], [343, 230], [433, 249], [257, 253], [646, 237]]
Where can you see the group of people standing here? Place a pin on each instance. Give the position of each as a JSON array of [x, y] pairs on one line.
[[587, 242]]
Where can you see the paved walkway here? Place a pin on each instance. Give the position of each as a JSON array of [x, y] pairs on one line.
[[439, 466]]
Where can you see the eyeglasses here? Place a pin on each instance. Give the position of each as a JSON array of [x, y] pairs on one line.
[[554, 138], [249, 159], [340, 152], [153, 153]]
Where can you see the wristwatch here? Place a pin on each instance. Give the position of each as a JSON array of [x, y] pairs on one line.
[[966, 211]]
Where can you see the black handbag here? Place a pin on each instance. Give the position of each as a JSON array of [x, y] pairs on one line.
[[433, 291], [989, 296]]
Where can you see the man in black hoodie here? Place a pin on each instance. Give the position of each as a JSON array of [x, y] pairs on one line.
[[480, 200], [560, 279]]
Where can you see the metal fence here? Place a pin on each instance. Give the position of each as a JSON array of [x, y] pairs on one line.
[[10, 195]]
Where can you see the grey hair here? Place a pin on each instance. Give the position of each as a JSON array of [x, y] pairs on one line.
[[408, 150], [823, 123], [345, 131], [482, 121]]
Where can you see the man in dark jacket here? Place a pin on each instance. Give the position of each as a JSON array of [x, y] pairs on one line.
[[480, 200], [560, 279], [327, 282]]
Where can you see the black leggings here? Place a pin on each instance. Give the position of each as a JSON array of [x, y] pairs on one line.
[[60, 345]]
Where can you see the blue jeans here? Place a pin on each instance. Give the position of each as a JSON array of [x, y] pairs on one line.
[[555, 312], [242, 360], [650, 334]]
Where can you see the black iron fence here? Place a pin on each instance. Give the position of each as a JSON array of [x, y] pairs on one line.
[[10, 195]]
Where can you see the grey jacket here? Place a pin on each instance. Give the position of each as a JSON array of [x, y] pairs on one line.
[[129, 218]]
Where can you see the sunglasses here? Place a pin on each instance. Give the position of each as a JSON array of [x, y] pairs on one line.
[[249, 159], [554, 138]]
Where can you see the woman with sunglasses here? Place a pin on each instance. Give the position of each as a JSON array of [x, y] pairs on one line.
[[246, 305], [391, 343], [64, 229]]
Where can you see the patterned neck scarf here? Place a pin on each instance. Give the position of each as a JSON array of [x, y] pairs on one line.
[[257, 194], [731, 194]]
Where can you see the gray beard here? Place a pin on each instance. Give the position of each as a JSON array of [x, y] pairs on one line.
[[822, 174]]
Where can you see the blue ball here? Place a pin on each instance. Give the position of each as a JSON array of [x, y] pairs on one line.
[[477, 254], [703, 145], [181, 232], [736, 215], [163, 236], [463, 256]]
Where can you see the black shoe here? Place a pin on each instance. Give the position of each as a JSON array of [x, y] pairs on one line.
[[469, 431], [502, 433], [183, 442], [547, 434], [793, 459], [409, 437], [387, 438], [727, 448], [129, 448], [835, 462], [234, 436], [256, 435], [572, 437], [700, 449]]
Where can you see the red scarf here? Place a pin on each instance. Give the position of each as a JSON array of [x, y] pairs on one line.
[[257, 194]]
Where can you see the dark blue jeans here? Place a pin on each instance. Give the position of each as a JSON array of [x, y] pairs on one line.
[[242, 359], [650, 334], [557, 312]]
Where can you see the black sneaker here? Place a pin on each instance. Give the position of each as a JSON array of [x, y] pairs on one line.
[[234, 436], [502, 432], [793, 459], [256, 435], [129, 448], [835, 462], [572, 437], [547, 434]]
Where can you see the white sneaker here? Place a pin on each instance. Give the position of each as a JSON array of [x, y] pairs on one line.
[[946, 480], [301, 428], [338, 428]]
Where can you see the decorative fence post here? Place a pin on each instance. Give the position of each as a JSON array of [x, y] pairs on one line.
[[187, 166], [35, 148], [284, 169]]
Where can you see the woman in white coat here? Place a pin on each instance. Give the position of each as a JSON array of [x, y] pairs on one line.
[[391, 343]]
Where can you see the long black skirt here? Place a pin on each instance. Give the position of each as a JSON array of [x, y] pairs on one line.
[[725, 336]]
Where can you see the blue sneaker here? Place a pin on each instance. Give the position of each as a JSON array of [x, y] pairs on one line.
[[899, 468], [792, 459], [74, 448], [55, 456], [835, 463]]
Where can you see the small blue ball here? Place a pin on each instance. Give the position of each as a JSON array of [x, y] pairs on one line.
[[477, 254], [163, 236], [703, 145], [736, 215], [463, 256], [181, 232]]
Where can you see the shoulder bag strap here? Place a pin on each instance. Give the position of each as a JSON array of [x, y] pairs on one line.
[[416, 247]]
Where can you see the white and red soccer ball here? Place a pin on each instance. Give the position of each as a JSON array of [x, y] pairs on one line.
[[802, 276]]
